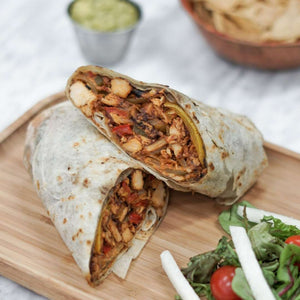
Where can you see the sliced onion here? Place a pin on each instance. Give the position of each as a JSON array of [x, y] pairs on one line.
[[156, 145]]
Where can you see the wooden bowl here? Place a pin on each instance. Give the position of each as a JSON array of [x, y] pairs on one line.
[[271, 56]]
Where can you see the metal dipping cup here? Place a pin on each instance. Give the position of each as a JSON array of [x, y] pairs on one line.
[[104, 48]]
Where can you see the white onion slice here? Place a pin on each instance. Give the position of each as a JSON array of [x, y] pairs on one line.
[[177, 279], [250, 265]]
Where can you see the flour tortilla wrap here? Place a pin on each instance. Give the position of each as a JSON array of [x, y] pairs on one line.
[[79, 175], [203, 149]]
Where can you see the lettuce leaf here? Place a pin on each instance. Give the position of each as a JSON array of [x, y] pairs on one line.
[[288, 285], [280, 229], [240, 285], [265, 246], [226, 252], [201, 267], [231, 218]]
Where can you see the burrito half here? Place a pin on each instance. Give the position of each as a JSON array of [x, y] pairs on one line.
[[189, 145], [102, 203]]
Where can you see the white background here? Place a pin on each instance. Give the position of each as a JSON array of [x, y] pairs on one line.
[[39, 51]]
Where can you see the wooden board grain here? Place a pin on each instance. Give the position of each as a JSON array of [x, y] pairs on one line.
[[33, 254]]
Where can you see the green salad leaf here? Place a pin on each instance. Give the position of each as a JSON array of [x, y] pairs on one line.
[[288, 284], [231, 218], [226, 252], [201, 267], [269, 271], [265, 246], [240, 285], [280, 229], [280, 262]]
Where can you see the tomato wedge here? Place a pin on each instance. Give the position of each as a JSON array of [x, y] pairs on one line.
[[135, 218], [122, 130], [220, 283]]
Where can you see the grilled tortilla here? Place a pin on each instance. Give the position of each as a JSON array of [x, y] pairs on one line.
[[189, 145], [102, 203]]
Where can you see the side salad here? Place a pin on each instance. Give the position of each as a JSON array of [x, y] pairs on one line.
[[228, 273]]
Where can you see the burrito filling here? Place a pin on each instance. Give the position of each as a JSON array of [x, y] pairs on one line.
[[122, 217], [145, 123]]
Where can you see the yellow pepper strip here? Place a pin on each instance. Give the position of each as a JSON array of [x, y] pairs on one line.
[[98, 240], [191, 127]]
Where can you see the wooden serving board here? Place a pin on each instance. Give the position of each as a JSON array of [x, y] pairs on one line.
[[33, 254]]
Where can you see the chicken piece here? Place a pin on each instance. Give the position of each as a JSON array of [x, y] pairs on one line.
[[80, 94], [158, 101], [114, 230], [176, 131], [122, 212], [120, 118], [121, 87], [145, 141], [108, 238], [111, 99], [177, 149], [127, 235], [148, 108], [114, 207], [165, 153], [158, 196], [137, 181], [133, 146]]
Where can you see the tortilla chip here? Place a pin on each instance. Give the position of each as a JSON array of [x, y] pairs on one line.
[[253, 20], [287, 26], [236, 27]]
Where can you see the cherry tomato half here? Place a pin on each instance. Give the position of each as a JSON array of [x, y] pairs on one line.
[[294, 239], [220, 283]]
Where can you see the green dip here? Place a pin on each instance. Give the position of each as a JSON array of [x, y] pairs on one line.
[[104, 15]]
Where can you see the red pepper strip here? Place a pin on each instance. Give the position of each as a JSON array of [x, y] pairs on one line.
[[106, 249], [122, 130], [132, 198], [90, 74], [125, 187], [114, 110], [140, 203], [135, 218]]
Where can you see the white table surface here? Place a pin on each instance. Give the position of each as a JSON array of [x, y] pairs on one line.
[[39, 52]]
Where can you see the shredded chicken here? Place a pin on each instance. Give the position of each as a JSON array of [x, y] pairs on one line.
[[123, 216], [144, 126]]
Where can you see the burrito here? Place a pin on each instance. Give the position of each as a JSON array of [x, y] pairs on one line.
[[189, 145], [104, 206]]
